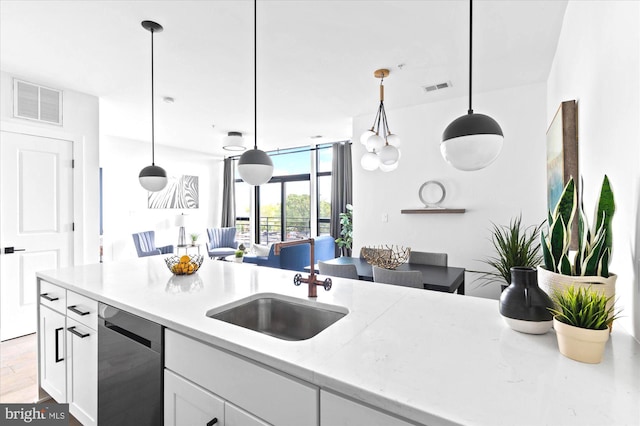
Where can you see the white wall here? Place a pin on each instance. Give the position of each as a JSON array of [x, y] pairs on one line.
[[125, 201], [514, 183], [597, 64], [80, 124]]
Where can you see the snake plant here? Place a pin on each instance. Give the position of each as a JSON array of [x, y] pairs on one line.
[[594, 245]]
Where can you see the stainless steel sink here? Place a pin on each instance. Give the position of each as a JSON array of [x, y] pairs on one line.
[[280, 317]]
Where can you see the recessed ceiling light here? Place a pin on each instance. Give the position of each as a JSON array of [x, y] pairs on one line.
[[168, 99], [316, 137]]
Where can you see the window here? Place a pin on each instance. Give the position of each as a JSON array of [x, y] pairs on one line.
[[283, 206]]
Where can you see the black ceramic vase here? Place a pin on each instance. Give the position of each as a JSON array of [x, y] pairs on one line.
[[525, 306]]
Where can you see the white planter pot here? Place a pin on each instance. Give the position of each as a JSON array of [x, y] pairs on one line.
[[550, 281], [238, 259], [581, 344]]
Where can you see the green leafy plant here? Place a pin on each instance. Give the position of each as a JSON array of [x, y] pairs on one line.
[[515, 245], [583, 307], [345, 242], [194, 237], [594, 246], [239, 253]]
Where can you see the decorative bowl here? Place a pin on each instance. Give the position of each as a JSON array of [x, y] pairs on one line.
[[388, 257], [184, 265]]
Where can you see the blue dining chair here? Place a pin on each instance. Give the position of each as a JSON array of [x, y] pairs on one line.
[[145, 243]]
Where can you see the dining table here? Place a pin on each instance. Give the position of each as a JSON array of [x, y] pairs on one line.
[[439, 278]]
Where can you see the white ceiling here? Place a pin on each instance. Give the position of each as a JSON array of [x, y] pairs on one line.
[[315, 60]]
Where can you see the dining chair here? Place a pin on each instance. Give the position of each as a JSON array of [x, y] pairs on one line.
[[342, 271], [426, 258], [403, 278]]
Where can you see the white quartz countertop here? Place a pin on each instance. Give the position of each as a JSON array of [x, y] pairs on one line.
[[434, 358]]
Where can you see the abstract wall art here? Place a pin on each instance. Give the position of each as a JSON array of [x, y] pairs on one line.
[[180, 193]]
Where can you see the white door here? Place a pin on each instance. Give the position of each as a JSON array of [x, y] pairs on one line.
[[36, 222]]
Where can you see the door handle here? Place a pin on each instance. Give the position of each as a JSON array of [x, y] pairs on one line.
[[78, 333], [11, 250], [49, 298], [212, 421], [77, 311], [58, 359]]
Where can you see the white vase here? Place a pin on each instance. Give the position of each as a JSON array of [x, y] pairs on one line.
[[581, 344], [550, 281]]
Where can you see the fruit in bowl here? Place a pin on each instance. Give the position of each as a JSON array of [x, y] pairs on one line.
[[184, 265]]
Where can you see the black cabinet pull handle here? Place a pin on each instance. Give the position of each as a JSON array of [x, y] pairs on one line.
[[58, 359], [212, 421], [75, 310], [49, 298], [77, 333]]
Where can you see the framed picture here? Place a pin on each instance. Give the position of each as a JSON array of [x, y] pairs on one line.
[[180, 193], [562, 155]]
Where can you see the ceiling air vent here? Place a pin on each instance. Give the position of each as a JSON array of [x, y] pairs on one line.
[[37, 103], [438, 86]]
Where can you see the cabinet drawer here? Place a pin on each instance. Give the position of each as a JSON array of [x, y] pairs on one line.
[[82, 309], [234, 416], [275, 397], [53, 296]]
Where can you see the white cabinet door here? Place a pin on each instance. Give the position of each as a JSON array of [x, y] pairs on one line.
[[82, 372], [338, 411], [52, 354], [234, 416], [186, 404]]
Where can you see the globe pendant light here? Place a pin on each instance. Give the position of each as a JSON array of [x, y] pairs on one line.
[[382, 149], [152, 178], [255, 166], [472, 141]]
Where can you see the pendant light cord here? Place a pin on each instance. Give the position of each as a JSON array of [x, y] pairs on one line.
[[255, 73], [470, 50], [153, 158]]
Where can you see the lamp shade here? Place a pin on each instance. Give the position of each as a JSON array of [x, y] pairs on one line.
[[153, 178], [471, 142], [393, 140], [389, 168], [374, 143], [365, 136], [255, 167], [233, 142], [370, 161], [389, 155]]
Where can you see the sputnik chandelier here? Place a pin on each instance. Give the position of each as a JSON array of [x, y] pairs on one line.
[[382, 145]]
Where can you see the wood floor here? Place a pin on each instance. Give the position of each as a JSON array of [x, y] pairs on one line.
[[19, 376]]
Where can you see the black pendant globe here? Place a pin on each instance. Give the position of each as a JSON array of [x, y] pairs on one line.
[[472, 142], [153, 178]]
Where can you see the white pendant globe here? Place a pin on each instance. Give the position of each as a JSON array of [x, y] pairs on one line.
[[389, 168], [255, 167], [389, 155], [393, 140], [374, 143], [472, 152], [365, 136], [370, 161]]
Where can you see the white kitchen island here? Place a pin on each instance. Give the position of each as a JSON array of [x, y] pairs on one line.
[[427, 357]]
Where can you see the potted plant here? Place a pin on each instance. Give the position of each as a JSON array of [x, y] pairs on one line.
[[194, 238], [590, 264], [515, 246], [345, 242], [239, 254], [581, 321]]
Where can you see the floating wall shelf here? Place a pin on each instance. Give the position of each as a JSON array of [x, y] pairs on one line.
[[431, 211]]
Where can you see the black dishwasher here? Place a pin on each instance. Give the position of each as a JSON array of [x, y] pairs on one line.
[[129, 369]]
